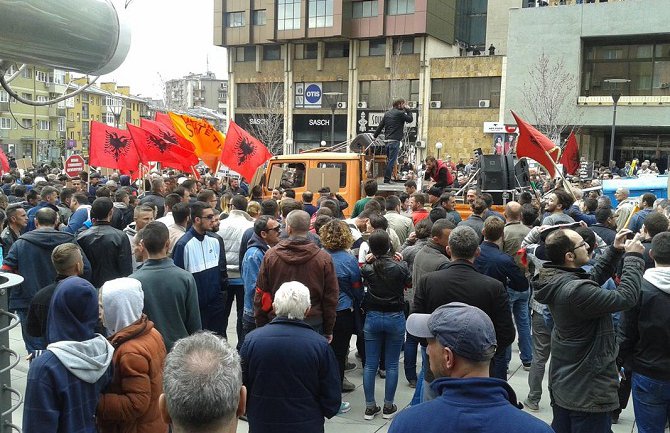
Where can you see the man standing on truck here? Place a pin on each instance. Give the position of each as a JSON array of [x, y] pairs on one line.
[[393, 125]]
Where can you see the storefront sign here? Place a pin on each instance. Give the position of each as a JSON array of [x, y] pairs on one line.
[[308, 95], [499, 128]]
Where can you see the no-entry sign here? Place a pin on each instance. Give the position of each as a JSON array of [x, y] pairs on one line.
[[74, 165]]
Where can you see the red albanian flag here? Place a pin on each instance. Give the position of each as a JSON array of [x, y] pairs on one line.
[[163, 120], [113, 148], [534, 145], [152, 147], [183, 147], [4, 163], [243, 152], [570, 157]]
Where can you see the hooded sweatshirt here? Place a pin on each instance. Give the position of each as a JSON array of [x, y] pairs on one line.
[[30, 257], [251, 264], [122, 303], [64, 382], [298, 259], [645, 345]]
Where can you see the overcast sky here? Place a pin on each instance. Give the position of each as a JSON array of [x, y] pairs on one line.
[[170, 38]]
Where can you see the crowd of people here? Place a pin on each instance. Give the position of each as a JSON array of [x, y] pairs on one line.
[[128, 291]]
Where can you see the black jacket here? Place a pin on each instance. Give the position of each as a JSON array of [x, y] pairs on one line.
[[645, 345], [606, 234], [152, 198], [385, 289], [393, 124], [109, 251], [7, 239]]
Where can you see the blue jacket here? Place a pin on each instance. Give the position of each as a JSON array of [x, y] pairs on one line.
[[77, 219], [478, 404], [204, 256], [291, 376], [577, 215], [33, 211], [499, 265], [250, 266], [637, 220], [348, 279]]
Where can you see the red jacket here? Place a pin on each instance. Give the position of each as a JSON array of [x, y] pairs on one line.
[[439, 178]]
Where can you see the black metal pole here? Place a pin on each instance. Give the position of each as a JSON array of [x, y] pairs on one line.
[[332, 125], [615, 98]]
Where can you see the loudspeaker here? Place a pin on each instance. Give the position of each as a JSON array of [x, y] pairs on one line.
[[493, 172], [361, 142], [522, 174]]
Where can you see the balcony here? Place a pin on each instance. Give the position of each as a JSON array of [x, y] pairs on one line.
[[69, 124], [54, 111], [56, 88]]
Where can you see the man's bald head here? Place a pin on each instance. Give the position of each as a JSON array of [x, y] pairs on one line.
[[513, 211], [297, 221]]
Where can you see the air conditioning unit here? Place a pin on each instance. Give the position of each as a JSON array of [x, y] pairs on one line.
[[341, 105], [420, 144], [435, 104], [412, 105], [484, 103], [362, 104]]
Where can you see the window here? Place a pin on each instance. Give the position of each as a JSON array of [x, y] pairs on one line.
[[28, 96], [4, 96], [259, 17], [306, 51], [288, 14], [41, 76], [290, 174], [109, 119], [27, 72], [27, 123], [41, 98], [85, 127], [58, 76], [272, 52], [43, 125], [465, 92], [256, 95], [129, 116], [647, 66], [400, 7], [5, 123], [246, 54], [235, 19], [377, 47], [380, 94], [61, 124], [343, 170], [365, 9], [471, 22], [320, 13], [337, 49], [403, 45], [84, 110]]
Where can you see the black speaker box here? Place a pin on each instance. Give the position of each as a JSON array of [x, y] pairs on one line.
[[493, 173]]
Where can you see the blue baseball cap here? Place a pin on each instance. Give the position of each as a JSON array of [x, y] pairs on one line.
[[465, 329]]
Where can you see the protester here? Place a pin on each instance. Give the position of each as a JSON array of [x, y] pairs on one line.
[[646, 207], [448, 202], [654, 224], [64, 211], [438, 172], [400, 224], [415, 242], [156, 196], [81, 213], [305, 384], [393, 126], [370, 188], [49, 197], [417, 201], [130, 402], [476, 220], [181, 214], [605, 225], [556, 204], [66, 380], [202, 386], [123, 214], [17, 220], [173, 308], [461, 344]]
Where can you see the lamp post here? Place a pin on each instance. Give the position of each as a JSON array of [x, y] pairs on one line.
[[616, 94], [116, 109], [333, 98], [289, 146], [438, 146]]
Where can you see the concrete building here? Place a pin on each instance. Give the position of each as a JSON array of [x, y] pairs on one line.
[[32, 131], [197, 90], [598, 42], [324, 70]]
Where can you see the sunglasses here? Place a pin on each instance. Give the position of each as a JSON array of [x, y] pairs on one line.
[[208, 217]]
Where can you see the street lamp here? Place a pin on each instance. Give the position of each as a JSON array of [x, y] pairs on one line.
[[616, 94], [438, 146], [323, 143], [116, 109], [332, 98]]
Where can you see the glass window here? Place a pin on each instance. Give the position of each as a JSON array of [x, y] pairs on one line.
[[272, 52], [292, 174], [320, 13], [311, 51], [257, 95], [27, 123], [28, 96], [259, 17], [471, 22], [5, 123], [84, 110], [466, 92], [249, 54], [343, 170], [44, 125], [288, 14], [235, 19], [337, 49], [364, 9], [377, 47], [400, 7], [403, 45], [4, 96], [27, 72]]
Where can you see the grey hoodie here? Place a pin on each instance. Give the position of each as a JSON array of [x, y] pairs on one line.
[[659, 277], [87, 360]]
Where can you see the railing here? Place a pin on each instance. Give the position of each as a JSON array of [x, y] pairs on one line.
[[8, 357]]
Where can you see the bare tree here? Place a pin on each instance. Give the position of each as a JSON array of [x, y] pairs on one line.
[[548, 95], [266, 99]]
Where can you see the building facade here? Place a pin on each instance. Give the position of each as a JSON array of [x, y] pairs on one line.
[[598, 43], [197, 91]]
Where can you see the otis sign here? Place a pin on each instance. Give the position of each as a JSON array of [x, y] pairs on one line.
[[308, 95]]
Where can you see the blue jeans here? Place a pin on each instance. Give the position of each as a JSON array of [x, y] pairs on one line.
[[651, 402], [387, 328], [411, 348], [418, 392], [32, 343], [392, 150], [519, 303], [571, 421]]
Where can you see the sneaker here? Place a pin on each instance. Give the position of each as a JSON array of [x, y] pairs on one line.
[[345, 407], [389, 411], [526, 366], [535, 407], [347, 386], [349, 366], [371, 412], [412, 383], [381, 373]]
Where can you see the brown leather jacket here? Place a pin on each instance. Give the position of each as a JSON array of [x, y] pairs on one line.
[[130, 404]]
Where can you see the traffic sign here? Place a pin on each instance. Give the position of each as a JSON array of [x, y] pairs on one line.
[[74, 165]]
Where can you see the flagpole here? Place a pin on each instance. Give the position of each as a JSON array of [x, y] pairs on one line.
[[560, 174]]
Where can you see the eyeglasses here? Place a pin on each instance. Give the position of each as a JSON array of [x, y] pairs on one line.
[[274, 229], [208, 217], [583, 244]]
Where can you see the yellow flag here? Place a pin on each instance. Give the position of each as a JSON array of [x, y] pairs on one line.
[[207, 141]]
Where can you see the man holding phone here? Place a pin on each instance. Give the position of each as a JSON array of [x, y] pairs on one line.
[[393, 125], [583, 377]]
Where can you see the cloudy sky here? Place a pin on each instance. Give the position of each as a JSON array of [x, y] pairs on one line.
[[170, 38]]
